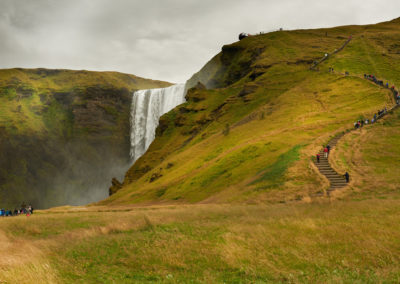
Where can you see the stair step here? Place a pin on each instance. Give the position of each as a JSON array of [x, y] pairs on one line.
[[333, 187]]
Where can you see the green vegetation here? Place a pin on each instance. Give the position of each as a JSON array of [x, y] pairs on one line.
[[272, 103], [274, 174], [372, 157]]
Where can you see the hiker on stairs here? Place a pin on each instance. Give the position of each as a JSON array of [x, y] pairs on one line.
[[318, 156], [326, 151], [347, 177]]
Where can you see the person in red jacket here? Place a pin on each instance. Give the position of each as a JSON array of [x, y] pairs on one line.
[[318, 156], [326, 152]]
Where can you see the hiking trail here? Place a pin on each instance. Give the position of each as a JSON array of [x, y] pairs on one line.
[[328, 55], [335, 179]]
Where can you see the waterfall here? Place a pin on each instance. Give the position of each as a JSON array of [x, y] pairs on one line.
[[147, 108]]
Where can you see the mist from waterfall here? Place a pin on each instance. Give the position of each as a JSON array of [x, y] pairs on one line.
[[147, 108]]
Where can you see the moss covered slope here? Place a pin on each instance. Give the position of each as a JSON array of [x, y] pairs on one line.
[[250, 138], [63, 134]]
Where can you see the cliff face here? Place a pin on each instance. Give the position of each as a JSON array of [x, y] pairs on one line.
[[230, 65], [63, 134]]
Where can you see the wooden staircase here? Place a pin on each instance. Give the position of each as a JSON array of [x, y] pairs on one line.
[[336, 180]]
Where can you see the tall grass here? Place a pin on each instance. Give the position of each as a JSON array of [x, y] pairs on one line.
[[345, 241]]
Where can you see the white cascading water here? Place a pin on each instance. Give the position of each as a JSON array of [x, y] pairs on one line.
[[147, 108]]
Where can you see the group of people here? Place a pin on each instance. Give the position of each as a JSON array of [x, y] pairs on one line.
[[375, 80], [327, 149], [387, 85], [26, 210], [360, 123], [332, 70]]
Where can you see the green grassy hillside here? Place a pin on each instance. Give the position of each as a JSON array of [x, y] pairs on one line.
[[372, 156], [63, 134], [276, 122], [251, 137]]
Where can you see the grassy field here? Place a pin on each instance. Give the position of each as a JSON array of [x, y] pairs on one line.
[[347, 241]]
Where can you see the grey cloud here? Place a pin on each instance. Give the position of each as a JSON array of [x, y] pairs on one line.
[[159, 39]]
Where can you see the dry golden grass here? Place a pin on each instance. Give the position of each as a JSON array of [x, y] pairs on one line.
[[23, 262], [329, 242]]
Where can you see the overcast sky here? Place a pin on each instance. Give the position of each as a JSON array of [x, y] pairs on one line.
[[158, 39]]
